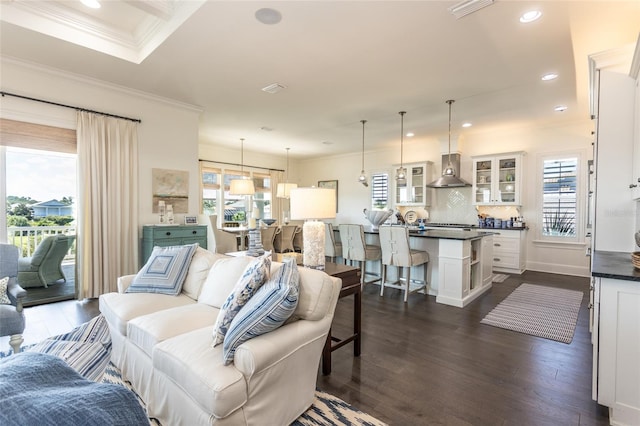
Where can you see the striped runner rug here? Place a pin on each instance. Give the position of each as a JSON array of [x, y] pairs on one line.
[[548, 312]]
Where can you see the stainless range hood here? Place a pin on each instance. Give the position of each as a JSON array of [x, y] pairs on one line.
[[450, 164]]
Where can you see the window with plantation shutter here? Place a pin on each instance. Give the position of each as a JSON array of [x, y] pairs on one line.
[[560, 197], [380, 191]]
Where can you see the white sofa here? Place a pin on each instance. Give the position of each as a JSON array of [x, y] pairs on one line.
[[163, 345]]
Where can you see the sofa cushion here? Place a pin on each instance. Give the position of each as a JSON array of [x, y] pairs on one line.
[[120, 308], [201, 264], [315, 294], [222, 277], [271, 305], [148, 330], [194, 365], [165, 271], [256, 273]]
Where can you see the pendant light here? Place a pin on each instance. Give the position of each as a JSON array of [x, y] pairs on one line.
[[363, 177], [242, 186], [448, 178], [284, 189], [401, 172]]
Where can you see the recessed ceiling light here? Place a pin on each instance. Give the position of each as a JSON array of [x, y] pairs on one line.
[[530, 16], [549, 76], [467, 124], [93, 4], [410, 134], [268, 16], [560, 108]]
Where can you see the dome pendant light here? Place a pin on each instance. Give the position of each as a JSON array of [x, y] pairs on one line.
[[284, 189], [401, 172], [448, 178], [363, 177], [242, 186]]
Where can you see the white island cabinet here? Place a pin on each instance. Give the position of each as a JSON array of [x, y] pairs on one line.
[[616, 336]]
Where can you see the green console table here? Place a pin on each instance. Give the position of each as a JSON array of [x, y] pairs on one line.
[[175, 235]]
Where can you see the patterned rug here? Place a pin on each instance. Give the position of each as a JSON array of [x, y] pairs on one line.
[[537, 310], [87, 348], [498, 278]]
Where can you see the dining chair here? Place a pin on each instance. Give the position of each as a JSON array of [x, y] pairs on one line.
[[224, 242], [332, 248], [355, 249], [394, 241], [268, 236], [284, 241]]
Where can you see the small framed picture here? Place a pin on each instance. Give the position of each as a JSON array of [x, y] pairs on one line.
[[191, 220]]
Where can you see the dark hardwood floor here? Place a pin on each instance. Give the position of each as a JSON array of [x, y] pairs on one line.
[[423, 363]]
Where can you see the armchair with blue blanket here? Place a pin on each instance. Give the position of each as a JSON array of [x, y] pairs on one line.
[[11, 315]]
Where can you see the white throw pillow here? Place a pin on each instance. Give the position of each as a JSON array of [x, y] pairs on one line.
[[165, 271], [201, 263], [222, 277], [4, 299]]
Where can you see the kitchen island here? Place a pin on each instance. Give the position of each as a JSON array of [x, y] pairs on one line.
[[460, 262]]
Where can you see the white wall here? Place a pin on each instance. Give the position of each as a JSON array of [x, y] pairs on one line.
[[167, 136], [353, 197]]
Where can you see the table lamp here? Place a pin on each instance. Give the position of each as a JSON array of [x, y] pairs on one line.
[[310, 204]]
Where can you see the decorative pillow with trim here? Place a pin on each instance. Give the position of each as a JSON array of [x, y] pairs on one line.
[[267, 310], [4, 299], [165, 271], [255, 275]]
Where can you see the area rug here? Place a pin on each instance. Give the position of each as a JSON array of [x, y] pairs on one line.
[[537, 310], [87, 348], [498, 278]]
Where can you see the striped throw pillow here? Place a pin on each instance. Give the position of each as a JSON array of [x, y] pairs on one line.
[[254, 276], [165, 271], [267, 310]]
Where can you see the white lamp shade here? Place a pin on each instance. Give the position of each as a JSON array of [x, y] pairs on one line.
[[284, 189], [313, 203], [242, 187]]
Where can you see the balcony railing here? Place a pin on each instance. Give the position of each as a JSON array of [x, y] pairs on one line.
[[27, 238]]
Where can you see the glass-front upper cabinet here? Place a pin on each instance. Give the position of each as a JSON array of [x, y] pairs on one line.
[[413, 192], [497, 179]]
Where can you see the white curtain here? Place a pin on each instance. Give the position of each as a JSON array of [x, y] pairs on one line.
[[276, 203], [107, 233]]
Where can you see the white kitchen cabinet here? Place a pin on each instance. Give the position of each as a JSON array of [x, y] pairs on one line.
[[635, 182], [509, 254], [463, 275], [497, 179], [414, 192], [616, 349]]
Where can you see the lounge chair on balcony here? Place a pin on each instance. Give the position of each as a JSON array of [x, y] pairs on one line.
[[45, 266]]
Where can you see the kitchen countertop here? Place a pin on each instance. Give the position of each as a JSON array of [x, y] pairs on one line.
[[614, 264], [445, 234]]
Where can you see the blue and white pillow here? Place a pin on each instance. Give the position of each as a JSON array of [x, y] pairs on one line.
[[255, 275], [165, 271], [267, 310]]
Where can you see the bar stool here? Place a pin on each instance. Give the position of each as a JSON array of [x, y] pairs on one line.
[[394, 241], [332, 248], [354, 248]]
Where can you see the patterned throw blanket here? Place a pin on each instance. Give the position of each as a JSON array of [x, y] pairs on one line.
[[41, 389]]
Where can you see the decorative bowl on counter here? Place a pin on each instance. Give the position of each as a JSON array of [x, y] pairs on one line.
[[269, 222], [377, 217]]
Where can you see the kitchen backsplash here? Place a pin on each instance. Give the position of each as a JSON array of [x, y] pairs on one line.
[[454, 205]]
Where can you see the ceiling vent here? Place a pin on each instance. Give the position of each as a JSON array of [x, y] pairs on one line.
[[466, 7], [274, 88]]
